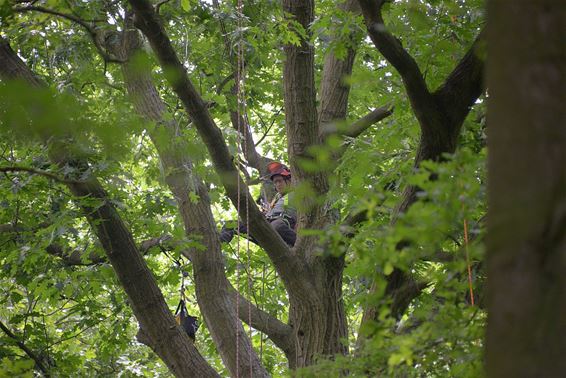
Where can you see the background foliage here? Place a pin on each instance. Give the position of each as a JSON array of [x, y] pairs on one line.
[[76, 317]]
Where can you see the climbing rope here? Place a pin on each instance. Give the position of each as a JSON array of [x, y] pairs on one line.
[[242, 138], [466, 242]]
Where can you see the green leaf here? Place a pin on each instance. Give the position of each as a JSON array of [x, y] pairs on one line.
[[388, 269]]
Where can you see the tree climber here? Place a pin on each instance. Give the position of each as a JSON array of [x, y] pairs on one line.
[[279, 213]]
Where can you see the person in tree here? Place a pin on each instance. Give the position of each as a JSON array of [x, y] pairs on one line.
[[280, 212]]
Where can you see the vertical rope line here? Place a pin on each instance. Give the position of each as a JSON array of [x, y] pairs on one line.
[[242, 116], [262, 307], [243, 147], [241, 119], [238, 113], [182, 285], [468, 261]]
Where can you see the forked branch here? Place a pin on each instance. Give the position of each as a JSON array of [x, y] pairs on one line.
[[390, 47]]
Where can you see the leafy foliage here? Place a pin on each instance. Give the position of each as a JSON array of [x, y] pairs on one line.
[[76, 318]]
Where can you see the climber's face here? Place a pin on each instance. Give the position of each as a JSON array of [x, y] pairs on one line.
[[281, 185]]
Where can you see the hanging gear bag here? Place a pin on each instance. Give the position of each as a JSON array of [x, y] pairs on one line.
[[189, 323]]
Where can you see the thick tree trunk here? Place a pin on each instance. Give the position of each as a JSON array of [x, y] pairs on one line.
[[319, 323], [334, 91], [526, 241], [336, 335], [320, 327], [309, 326], [300, 93]]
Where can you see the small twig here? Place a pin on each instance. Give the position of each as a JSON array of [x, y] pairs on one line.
[[85, 24], [266, 133], [69, 17], [38, 172], [223, 83], [29, 352], [79, 332], [104, 83]]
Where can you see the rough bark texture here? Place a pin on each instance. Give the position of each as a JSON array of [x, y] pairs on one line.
[[168, 340], [300, 95], [334, 92], [320, 323], [526, 238]]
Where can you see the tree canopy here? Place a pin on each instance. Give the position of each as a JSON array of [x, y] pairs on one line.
[[132, 131]]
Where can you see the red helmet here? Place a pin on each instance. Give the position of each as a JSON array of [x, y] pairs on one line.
[[275, 168]]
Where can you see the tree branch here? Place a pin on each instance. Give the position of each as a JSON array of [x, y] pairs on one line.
[[280, 333], [220, 86], [361, 125], [300, 103], [76, 256], [248, 145], [37, 172], [288, 266], [239, 121], [465, 84], [160, 4], [31, 354], [268, 129], [390, 47], [357, 128], [334, 92], [84, 24]]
